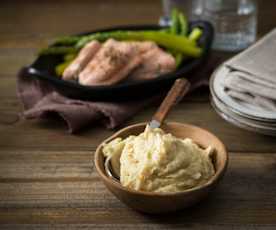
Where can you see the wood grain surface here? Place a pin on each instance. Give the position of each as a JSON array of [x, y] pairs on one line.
[[47, 177]]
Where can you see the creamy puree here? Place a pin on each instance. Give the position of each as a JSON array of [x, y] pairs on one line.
[[156, 161]]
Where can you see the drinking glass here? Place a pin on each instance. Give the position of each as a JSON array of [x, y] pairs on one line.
[[234, 21]]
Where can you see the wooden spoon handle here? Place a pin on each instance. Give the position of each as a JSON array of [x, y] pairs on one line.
[[179, 89]]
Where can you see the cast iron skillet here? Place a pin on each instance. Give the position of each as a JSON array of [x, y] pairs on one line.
[[43, 68]]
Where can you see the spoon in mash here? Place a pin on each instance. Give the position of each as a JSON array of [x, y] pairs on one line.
[[179, 89]]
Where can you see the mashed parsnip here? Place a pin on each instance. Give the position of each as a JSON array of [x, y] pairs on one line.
[[159, 162]]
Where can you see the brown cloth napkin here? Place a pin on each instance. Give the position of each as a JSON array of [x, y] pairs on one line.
[[40, 100]]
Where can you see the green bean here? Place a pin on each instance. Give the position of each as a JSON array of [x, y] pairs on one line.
[[59, 69], [183, 24], [174, 28], [170, 41], [67, 41], [195, 34]]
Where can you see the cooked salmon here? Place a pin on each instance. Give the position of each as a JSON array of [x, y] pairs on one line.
[[155, 61], [79, 63], [143, 47], [112, 63]]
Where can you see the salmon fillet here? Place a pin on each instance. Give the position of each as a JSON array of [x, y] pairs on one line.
[[113, 62], [143, 47], [155, 61], [79, 63]]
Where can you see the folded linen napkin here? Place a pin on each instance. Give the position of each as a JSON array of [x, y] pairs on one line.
[[252, 78], [40, 100], [241, 87]]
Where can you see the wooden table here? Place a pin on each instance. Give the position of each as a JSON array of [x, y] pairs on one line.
[[47, 177]]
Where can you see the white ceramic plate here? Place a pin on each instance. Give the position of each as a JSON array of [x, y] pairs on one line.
[[241, 122]]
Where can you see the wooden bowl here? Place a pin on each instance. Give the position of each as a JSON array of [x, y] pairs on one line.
[[151, 202]]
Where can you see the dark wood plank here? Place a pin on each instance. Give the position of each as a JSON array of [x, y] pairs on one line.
[[25, 166], [245, 196], [93, 14], [11, 60], [47, 176], [153, 226], [25, 41], [87, 15], [226, 214], [52, 134]]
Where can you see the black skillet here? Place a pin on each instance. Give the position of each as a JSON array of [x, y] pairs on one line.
[[43, 68]]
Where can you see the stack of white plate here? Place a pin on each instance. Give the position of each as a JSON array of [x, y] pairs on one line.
[[236, 112]]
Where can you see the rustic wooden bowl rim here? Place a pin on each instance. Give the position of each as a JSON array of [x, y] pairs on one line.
[[188, 191]]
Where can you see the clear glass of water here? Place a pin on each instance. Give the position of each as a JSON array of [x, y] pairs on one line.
[[234, 21]]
